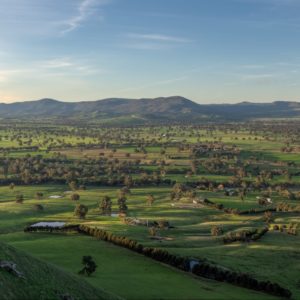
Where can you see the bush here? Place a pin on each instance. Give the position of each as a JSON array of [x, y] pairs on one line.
[[89, 266]]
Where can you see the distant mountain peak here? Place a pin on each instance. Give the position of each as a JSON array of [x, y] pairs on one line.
[[48, 100], [160, 109]]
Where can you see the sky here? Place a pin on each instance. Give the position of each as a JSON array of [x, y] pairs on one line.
[[209, 51]]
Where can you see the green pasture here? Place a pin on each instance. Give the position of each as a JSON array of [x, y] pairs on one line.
[[191, 236]]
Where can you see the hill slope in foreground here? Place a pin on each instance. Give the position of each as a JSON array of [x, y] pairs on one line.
[[162, 109], [42, 281]]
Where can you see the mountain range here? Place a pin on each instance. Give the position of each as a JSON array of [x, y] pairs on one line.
[[145, 110]]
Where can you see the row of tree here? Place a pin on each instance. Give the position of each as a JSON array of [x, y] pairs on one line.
[[245, 235], [203, 269]]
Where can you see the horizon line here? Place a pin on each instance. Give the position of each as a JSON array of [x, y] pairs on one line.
[[153, 98]]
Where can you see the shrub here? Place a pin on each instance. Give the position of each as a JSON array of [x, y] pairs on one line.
[[89, 266]]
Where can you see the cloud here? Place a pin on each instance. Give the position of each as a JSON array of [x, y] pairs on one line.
[[84, 10], [68, 66], [158, 38], [46, 18], [146, 46], [64, 67], [153, 41], [57, 63]]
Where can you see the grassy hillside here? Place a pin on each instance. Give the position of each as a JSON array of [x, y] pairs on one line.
[[130, 275], [191, 238], [42, 280]]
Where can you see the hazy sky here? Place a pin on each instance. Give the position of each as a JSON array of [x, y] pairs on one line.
[[206, 50]]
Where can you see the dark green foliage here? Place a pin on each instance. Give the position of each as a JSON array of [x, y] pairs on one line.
[[89, 266], [66, 228]]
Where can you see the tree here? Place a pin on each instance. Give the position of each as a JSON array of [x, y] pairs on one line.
[[128, 182], [19, 198], [124, 191], [89, 266], [105, 206], [242, 193], [178, 191], [216, 230], [122, 204], [194, 167], [81, 211], [39, 195], [150, 199], [268, 217], [153, 231], [75, 197], [73, 185], [38, 207]]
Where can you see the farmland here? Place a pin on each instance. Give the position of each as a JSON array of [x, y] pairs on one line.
[[184, 189]]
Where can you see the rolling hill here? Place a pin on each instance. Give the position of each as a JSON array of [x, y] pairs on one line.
[[163, 109], [42, 280]]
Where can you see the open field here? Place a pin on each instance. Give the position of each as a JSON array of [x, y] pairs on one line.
[[231, 168]]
